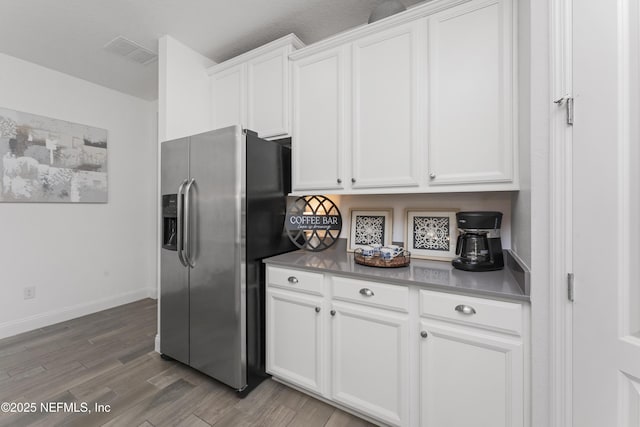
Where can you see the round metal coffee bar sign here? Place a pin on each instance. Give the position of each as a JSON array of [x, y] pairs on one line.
[[313, 223]]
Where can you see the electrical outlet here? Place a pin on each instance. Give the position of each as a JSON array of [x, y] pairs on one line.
[[29, 292]]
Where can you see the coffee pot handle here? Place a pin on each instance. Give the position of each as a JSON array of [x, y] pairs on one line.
[[486, 245], [459, 245]]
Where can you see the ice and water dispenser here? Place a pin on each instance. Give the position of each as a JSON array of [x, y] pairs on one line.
[[170, 221]]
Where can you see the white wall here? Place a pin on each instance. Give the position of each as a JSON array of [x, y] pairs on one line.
[[80, 257], [540, 106], [184, 102], [521, 208], [184, 108], [490, 201]]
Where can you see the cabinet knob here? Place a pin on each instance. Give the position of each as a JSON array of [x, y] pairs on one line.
[[317, 309], [333, 312], [292, 279], [465, 309], [353, 180], [424, 334], [366, 292], [432, 175], [339, 181]]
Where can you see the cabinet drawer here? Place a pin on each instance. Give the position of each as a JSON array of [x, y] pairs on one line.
[[295, 280], [490, 314], [395, 297]]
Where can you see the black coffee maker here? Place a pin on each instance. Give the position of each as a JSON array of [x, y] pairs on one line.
[[479, 247]]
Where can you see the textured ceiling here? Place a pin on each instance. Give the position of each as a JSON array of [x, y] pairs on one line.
[[68, 35]]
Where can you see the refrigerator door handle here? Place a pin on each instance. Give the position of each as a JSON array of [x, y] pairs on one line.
[[187, 229], [180, 227]]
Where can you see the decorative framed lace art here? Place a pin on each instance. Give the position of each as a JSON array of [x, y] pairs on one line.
[[370, 227], [431, 234]]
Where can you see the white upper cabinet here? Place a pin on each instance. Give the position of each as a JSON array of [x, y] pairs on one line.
[[385, 108], [430, 104], [268, 90], [253, 89], [470, 130], [319, 108], [229, 97]]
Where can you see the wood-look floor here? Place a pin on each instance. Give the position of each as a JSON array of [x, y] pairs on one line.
[[108, 358]]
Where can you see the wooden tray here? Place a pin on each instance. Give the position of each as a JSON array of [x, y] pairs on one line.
[[375, 261]]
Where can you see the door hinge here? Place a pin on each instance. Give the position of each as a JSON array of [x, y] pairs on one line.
[[570, 286], [568, 102]]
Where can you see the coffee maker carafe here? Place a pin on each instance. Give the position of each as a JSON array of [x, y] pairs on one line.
[[479, 247]]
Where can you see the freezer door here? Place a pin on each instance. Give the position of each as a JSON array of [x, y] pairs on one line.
[[268, 172], [174, 277], [217, 253]]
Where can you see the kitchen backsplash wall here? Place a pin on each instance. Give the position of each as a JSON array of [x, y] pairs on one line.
[[492, 201]]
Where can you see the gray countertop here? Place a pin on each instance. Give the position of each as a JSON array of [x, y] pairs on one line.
[[437, 275]]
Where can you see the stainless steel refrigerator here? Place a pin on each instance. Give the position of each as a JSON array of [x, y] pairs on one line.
[[223, 208]]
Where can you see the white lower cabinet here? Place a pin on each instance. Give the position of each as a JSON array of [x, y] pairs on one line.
[[469, 378], [294, 338], [370, 361], [377, 349], [471, 361]]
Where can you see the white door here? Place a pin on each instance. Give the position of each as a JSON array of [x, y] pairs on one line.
[[294, 338], [268, 94], [470, 115], [229, 97], [385, 80], [469, 377], [319, 124], [370, 361], [606, 213]]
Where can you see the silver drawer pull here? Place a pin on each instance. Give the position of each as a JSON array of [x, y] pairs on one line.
[[317, 309], [465, 309], [293, 279], [366, 292]]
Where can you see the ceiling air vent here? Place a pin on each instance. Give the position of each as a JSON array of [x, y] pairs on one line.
[[131, 50]]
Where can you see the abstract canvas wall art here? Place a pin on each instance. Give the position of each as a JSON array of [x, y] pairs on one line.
[[431, 234], [49, 160]]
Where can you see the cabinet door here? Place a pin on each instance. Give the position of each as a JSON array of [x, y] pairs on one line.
[[471, 136], [319, 124], [385, 108], [469, 378], [228, 89], [294, 336], [268, 94], [369, 356]]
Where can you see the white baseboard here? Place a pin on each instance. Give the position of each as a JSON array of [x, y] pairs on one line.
[[14, 327], [152, 293], [157, 346]]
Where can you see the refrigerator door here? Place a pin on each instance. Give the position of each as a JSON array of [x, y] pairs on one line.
[[174, 277], [217, 252], [268, 169]]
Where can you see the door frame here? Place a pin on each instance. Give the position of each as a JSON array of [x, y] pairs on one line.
[[561, 326], [560, 215]]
